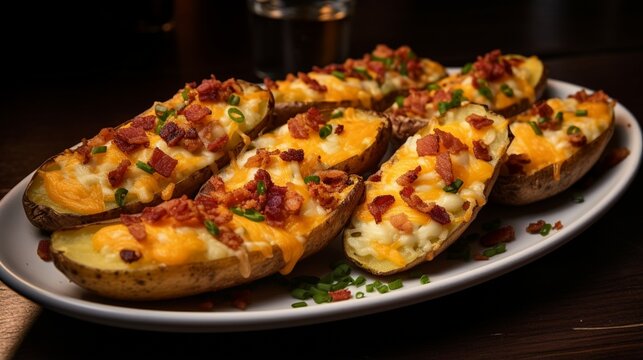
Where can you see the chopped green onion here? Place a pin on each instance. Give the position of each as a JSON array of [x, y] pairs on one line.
[[336, 114], [321, 298], [261, 187], [211, 227], [341, 270], [119, 196], [325, 130], [377, 283], [338, 74], [466, 68], [359, 295], [491, 225], [313, 178], [370, 287], [382, 289], [507, 90], [323, 286], [359, 281], [581, 112], [99, 149], [234, 99], [160, 109], [456, 99], [180, 106], [443, 107], [185, 94], [433, 86], [236, 115], [399, 100], [536, 128], [544, 231], [314, 290], [237, 211], [573, 130], [577, 197], [395, 284], [339, 285], [454, 186], [542, 120], [559, 116], [424, 279], [145, 167], [299, 304], [403, 70], [486, 92], [363, 72], [493, 251], [254, 215], [301, 294]]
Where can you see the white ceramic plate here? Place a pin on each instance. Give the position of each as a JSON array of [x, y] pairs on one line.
[[270, 307]]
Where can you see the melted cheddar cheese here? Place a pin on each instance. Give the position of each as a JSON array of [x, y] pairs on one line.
[[73, 187], [389, 248], [552, 147]]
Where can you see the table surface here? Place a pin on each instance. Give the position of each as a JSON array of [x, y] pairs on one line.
[[583, 300]]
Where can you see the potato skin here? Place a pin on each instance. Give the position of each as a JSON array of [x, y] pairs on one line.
[[166, 282], [517, 189], [49, 219]]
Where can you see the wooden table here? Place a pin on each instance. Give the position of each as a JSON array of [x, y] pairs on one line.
[[583, 300]]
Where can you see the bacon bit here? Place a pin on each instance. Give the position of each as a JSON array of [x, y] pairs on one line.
[[542, 109], [465, 205], [380, 205], [145, 122], [214, 90], [376, 177], [261, 159], [577, 140], [44, 250], [598, 96], [192, 145], [415, 202], [614, 157], [439, 214], [416, 101], [218, 143], [127, 219], [428, 145], [129, 256], [516, 162], [241, 299], [138, 231], [229, 238], [480, 257], [558, 225], [444, 168], [117, 175], [500, 235], [274, 209], [300, 125], [478, 122], [491, 66], [383, 51], [263, 175], [162, 162], [450, 142], [129, 139], [191, 133], [84, 151], [336, 180], [534, 228], [481, 150], [378, 68], [409, 177], [195, 113], [401, 222], [211, 210], [292, 155], [183, 210], [172, 133], [105, 135], [441, 96], [312, 83], [339, 129], [152, 214], [293, 202], [339, 295], [270, 84]]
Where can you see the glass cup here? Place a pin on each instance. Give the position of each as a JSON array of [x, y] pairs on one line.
[[294, 35]]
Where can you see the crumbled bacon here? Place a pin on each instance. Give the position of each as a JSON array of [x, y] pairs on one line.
[[229, 238], [439, 214], [415, 202], [428, 145], [401, 222], [500, 235], [491, 66], [598, 96], [339, 295], [293, 202], [145, 122], [137, 230], [130, 256], [261, 159], [172, 133], [450, 142], [44, 250], [215, 90], [300, 125], [211, 210], [416, 101], [577, 140], [117, 175], [516, 162], [130, 139], [84, 151], [383, 51], [105, 135], [127, 219], [478, 122], [183, 210], [312, 83], [151, 214], [292, 155], [218, 143], [409, 177], [192, 145], [542, 109], [380, 205], [270, 84], [274, 209], [336, 180], [191, 133], [557, 225], [195, 113], [481, 150], [339, 129], [534, 228], [376, 177], [614, 156], [162, 162], [444, 167], [441, 96]]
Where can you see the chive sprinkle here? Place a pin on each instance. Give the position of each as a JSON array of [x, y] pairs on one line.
[[99, 149], [261, 187], [336, 114], [119, 196], [454, 186], [395, 284], [313, 178], [338, 74], [301, 294], [486, 92], [211, 227], [321, 298], [299, 304], [403, 69], [545, 229], [145, 167], [424, 279], [236, 115], [559, 116], [581, 112], [363, 72], [234, 99], [433, 86], [536, 128], [466, 68], [382, 289], [573, 130], [325, 130], [359, 281], [495, 250], [370, 287], [185, 94], [254, 215], [399, 100], [507, 90], [237, 211], [359, 295]]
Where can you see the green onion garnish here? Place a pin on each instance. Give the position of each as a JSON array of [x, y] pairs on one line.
[[454, 186], [322, 298], [119, 196], [338, 74], [145, 167], [336, 114], [573, 130], [359, 295], [341, 270], [424, 279], [325, 130], [370, 287], [399, 100], [466, 68], [160, 109], [559, 116], [323, 286], [395, 284], [237, 211], [535, 128], [433, 86], [492, 251], [363, 72], [542, 120], [456, 99], [211, 227], [254, 215], [382, 289], [359, 281], [234, 99], [313, 178], [443, 107], [99, 149], [299, 304], [507, 90], [236, 115], [301, 294], [486, 92], [581, 112], [185, 94], [544, 231], [261, 187]]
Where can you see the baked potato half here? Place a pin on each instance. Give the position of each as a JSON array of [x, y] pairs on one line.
[[167, 151], [371, 82], [555, 143], [428, 192], [506, 84]]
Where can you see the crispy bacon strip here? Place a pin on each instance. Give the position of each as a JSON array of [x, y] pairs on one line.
[[481, 150], [339, 129], [534, 228], [137, 230], [162, 162], [130, 139], [172, 133], [292, 155], [500, 235], [312, 83], [450, 142], [117, 175], [478, 122], [145, 122], [261, 159], [229, 238], [409, 177], [415, 202], [542, 109], [444, 167], [428, 145], [380, 205], [152, 214], [439, 214], [195, 113]]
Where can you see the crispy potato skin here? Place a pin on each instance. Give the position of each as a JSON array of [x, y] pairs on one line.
[[166, 282], [520, 189], [49, 219]]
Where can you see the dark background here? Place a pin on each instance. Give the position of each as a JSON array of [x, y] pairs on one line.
[[71, 69]]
